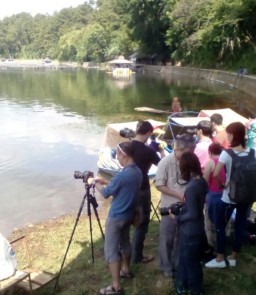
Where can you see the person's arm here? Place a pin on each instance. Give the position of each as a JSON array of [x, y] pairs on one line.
[[208, 169], [216, 174], [170, 192], [192, 212], [162, 176]]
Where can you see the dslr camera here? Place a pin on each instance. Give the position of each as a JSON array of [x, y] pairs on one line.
[[83, 175], [174, 209], [127, 133]]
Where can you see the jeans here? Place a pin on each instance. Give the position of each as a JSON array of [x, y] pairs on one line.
[[224, 212], [190, 273], [144, 201], [212, 201]]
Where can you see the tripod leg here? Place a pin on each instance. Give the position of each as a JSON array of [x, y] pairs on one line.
[[69, 243], [98, 220], [90, 223], [155, 212]]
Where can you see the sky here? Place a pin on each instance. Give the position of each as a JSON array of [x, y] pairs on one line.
[[10, 7]]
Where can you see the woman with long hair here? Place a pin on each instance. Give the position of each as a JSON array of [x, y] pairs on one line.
[[191, 227], [236, 137]]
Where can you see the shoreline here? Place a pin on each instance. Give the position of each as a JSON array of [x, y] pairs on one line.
[[38, 64]]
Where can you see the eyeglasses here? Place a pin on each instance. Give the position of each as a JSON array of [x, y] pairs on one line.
[[121, 150]]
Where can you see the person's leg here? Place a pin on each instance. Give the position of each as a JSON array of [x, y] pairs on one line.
[[193, 264], [181, 274], [111, 250], [115, 268], [223, 215], [140, 231], [240, 224], [126, 249], [167, 235], [224, 212]]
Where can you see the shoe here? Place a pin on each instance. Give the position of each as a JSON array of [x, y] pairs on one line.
[[110, 290], [180, 290], [126, 275], [147, 259], [231, 262], [215, 264]]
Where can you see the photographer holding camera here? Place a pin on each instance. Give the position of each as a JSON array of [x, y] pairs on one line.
[[191, 227], [124, 187], [172, 187]]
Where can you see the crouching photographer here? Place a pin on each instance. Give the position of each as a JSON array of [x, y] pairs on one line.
[[172, 187], [124, 187]]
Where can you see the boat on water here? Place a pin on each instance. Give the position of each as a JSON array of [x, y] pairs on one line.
[[177, 124]]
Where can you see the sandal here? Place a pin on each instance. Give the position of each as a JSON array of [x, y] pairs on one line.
[[126, 275], [147, 259], [110, 290]]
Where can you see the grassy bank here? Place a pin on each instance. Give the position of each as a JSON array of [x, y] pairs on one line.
[[48, 242]]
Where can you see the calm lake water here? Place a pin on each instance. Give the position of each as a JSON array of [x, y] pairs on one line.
[[52, 123]]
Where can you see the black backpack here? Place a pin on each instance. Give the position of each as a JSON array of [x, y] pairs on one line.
[[242, 177]]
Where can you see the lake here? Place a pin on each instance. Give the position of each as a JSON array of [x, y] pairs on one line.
[[52, 123]]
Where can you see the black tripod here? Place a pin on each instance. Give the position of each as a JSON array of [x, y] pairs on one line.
[[91, 200]]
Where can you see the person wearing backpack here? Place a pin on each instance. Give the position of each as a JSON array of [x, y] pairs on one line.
[[237, 151]]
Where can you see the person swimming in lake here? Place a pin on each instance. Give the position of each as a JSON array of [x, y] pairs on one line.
[[176, 107]]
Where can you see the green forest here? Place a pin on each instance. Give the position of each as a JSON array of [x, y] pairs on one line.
[[202, 33]]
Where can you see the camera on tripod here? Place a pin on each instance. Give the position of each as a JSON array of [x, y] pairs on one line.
[[174, 209], [83, 175]]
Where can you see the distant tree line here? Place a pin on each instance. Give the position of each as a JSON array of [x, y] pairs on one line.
[[209, 33]]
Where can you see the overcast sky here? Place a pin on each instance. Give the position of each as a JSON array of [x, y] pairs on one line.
[[10, 7]]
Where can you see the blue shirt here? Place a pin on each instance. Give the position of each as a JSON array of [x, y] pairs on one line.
[[124, 187]]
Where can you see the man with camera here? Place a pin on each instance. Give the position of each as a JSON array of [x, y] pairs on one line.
[[144, 157], [172, 187], [124, 187]]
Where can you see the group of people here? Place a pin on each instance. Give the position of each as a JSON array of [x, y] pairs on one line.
[[193, 174]]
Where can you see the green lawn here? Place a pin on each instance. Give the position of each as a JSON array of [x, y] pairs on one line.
[[48, 242]]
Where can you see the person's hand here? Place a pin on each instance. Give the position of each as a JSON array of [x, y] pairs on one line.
[[171, 216], [90, 180], [100, 180]]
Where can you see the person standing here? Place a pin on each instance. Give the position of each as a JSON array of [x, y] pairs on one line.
[[124, 187], [236, 137], [176, 107], [144, 157], [215, 192], [219, 133], [191, 227], [204, 133], [172, 187]]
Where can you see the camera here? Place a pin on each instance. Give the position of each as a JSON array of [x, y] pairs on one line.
[[174, 209], [127, 133], [83, 175]]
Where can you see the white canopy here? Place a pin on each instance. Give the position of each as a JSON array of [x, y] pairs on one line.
[[120, 60]]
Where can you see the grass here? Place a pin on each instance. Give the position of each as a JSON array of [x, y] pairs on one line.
[[80, 276]]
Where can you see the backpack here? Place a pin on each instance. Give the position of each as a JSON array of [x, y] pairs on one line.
[[242, 178], [8, 261]]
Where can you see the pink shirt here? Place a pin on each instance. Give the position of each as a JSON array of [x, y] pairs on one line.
[[213, 184], [201, 151]]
